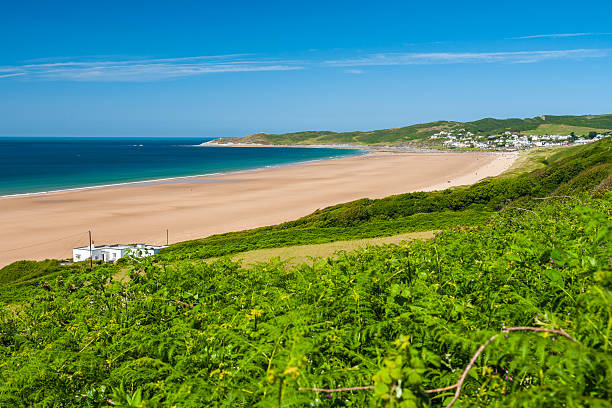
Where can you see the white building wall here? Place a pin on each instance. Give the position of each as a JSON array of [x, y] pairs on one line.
[[113, 253], [82, 254]]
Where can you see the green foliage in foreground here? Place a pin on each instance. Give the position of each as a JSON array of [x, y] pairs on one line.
[[23, 271], [420, 132], [571, 170], [22, 279], [403, 318]]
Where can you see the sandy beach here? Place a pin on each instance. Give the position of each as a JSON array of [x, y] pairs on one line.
[[49, 225]]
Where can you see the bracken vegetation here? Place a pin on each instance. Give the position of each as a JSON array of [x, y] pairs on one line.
[[392, 326]]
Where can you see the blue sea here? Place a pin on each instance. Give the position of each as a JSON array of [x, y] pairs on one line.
[[41, 164]]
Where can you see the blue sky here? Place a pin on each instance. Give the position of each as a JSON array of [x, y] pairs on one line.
[[233, 68]]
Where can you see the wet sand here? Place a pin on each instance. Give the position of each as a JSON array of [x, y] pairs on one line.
[[49, 225]]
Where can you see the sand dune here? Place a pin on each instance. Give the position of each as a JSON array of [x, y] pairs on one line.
[[50, 225]]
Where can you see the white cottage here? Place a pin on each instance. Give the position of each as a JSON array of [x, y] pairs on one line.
[[111, 253]]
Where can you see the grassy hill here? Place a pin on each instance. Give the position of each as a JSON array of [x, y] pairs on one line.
[[563, 171], [403, 320], [548, 124]]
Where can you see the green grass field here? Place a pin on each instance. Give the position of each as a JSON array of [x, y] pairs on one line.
[[563, 130], [532, 159], [299, 254]]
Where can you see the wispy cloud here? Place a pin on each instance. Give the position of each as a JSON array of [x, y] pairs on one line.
[[563, 35], [11, 75], [465, 57], [146, 69], [108, 69]]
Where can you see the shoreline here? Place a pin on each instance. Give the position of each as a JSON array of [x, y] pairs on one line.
[[49, 225], [370, 148], [373, 148], [179, 178], [363, 150]]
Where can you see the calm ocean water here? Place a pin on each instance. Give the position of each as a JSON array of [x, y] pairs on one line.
[[29, 164]]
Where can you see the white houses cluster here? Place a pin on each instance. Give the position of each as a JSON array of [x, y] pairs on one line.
[[112, 253], [507, 140]]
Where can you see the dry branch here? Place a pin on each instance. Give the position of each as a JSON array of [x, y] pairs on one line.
[[178, 302], [486, 343], [558, 196], [467, 369], [332, 390], [524, 209]]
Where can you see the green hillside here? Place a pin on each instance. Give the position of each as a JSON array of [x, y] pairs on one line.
[[402, 322], [414, 134], [568, 170]]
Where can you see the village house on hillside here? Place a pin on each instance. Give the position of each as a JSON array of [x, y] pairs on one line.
[[112, 253], [511, 141]]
